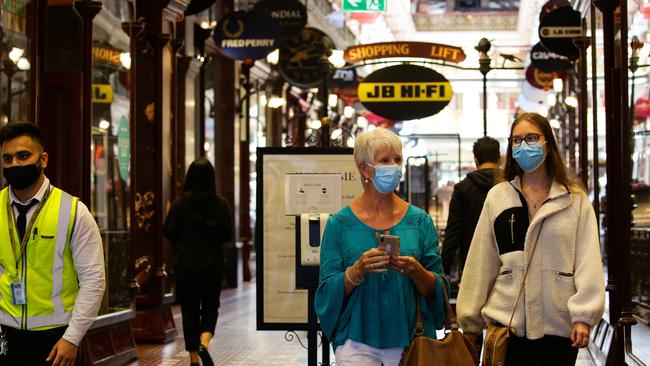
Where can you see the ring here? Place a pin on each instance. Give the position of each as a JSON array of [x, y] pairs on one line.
[[372, 266], [401, 270]]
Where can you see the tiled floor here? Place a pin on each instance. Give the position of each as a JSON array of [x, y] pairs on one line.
[[238, 343]]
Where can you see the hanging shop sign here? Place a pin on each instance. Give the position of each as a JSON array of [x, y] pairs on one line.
[[343, 78], [558, 29], [542, 79], [197, 6], [548, 61], [102, 94], [405, 92], [106, 56], [247, 36], [290, 14], [552, 5], [404, 49], [304, 58]]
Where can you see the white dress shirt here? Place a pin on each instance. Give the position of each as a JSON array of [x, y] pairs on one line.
[[88, 258]]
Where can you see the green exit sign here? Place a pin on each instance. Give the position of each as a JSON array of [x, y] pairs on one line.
[[364, 5]]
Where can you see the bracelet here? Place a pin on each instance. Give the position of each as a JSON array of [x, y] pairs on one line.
[[349, 278]]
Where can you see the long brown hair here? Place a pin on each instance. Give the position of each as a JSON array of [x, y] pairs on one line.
[[555, 167]]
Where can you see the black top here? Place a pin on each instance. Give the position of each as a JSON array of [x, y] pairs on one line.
[[464, 211], [197, 227]]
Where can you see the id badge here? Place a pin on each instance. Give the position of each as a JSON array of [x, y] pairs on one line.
[[3, 345], [18, 293]]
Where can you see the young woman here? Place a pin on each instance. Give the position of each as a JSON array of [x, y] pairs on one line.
[[366, 299], [198, 224], [537, 217]]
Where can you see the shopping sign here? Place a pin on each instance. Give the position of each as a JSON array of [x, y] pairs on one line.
[[405, 92], [364, 5]]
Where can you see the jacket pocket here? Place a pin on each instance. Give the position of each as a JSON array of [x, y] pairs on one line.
[[502, 291], [563, 287]]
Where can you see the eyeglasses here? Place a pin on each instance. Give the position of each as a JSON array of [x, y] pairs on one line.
[[531, 139]]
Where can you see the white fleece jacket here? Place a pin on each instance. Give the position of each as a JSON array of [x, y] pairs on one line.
[[565, 282]]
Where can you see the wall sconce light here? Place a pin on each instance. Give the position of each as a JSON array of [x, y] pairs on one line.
[[348, 112], [16, 53], [558, 85], [125, 60], [274, 57], [571, 101], [550, 100], [276, 102], [336, 58], [333, 100]]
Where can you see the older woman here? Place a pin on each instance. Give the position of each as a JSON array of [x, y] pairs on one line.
[[539, 222], [366, 299]]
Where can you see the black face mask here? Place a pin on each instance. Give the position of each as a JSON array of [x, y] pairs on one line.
[[21, 177]]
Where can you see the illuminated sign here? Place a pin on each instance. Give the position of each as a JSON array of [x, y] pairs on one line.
[[405, 92], [102, 94], [106, 55], [404, 49], [247, 35]]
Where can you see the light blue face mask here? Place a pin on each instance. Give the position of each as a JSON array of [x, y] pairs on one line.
[[529, 157], [386, 178]]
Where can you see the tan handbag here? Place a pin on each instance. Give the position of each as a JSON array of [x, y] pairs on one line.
[[497, 337], [453, 350]]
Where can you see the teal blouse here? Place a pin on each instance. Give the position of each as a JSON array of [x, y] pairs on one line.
[[380, 312]]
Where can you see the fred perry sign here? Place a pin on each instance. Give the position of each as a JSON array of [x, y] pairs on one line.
[[405, 92]]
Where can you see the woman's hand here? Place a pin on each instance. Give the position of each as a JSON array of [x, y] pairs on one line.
[[372, 261], [404, 265], [580, 335]]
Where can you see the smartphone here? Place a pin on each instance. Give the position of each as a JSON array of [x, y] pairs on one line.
[[389, 243]]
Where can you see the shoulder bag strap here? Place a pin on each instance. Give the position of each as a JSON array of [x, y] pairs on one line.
[[523, 282]]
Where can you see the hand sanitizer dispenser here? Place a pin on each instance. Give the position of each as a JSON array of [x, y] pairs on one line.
[[312, 227]]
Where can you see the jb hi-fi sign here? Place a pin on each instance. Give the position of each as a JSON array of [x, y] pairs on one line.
[[405, 92]]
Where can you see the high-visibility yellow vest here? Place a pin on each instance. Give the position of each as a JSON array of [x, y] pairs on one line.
[[46, 265]]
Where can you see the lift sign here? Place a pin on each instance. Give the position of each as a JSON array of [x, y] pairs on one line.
[[405, 92]]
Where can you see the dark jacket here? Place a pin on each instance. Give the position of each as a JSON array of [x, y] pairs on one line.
[[464, 210], [197, 228]]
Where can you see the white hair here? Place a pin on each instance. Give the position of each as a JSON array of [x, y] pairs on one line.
[[366, 144]]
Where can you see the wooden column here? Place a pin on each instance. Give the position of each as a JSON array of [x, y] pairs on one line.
[[153, 182]]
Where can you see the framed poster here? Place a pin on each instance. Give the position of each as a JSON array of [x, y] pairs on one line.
[[280, 306]]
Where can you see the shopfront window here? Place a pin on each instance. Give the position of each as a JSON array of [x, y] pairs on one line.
[[15, 60], [110, 148]]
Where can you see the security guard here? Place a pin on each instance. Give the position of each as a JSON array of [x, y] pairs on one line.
[[51, 258]]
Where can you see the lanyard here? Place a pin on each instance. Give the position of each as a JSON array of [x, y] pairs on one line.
[[25, 238]]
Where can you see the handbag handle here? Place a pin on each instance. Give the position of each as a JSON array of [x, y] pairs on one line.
[[450, 319]]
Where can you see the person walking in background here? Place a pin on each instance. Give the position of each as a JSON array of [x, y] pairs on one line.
[[366, 299], [198, 224], [52, 276], [536, 234], [466, 206], [467, 202]]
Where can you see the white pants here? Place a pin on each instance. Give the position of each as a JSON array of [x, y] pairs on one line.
[[353, 353]]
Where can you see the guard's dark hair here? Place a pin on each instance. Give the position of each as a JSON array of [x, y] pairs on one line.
[[200, 179], [17, 129], [486, 149]]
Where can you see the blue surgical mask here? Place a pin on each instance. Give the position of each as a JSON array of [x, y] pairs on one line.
[[529, 157], [386, 178]]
